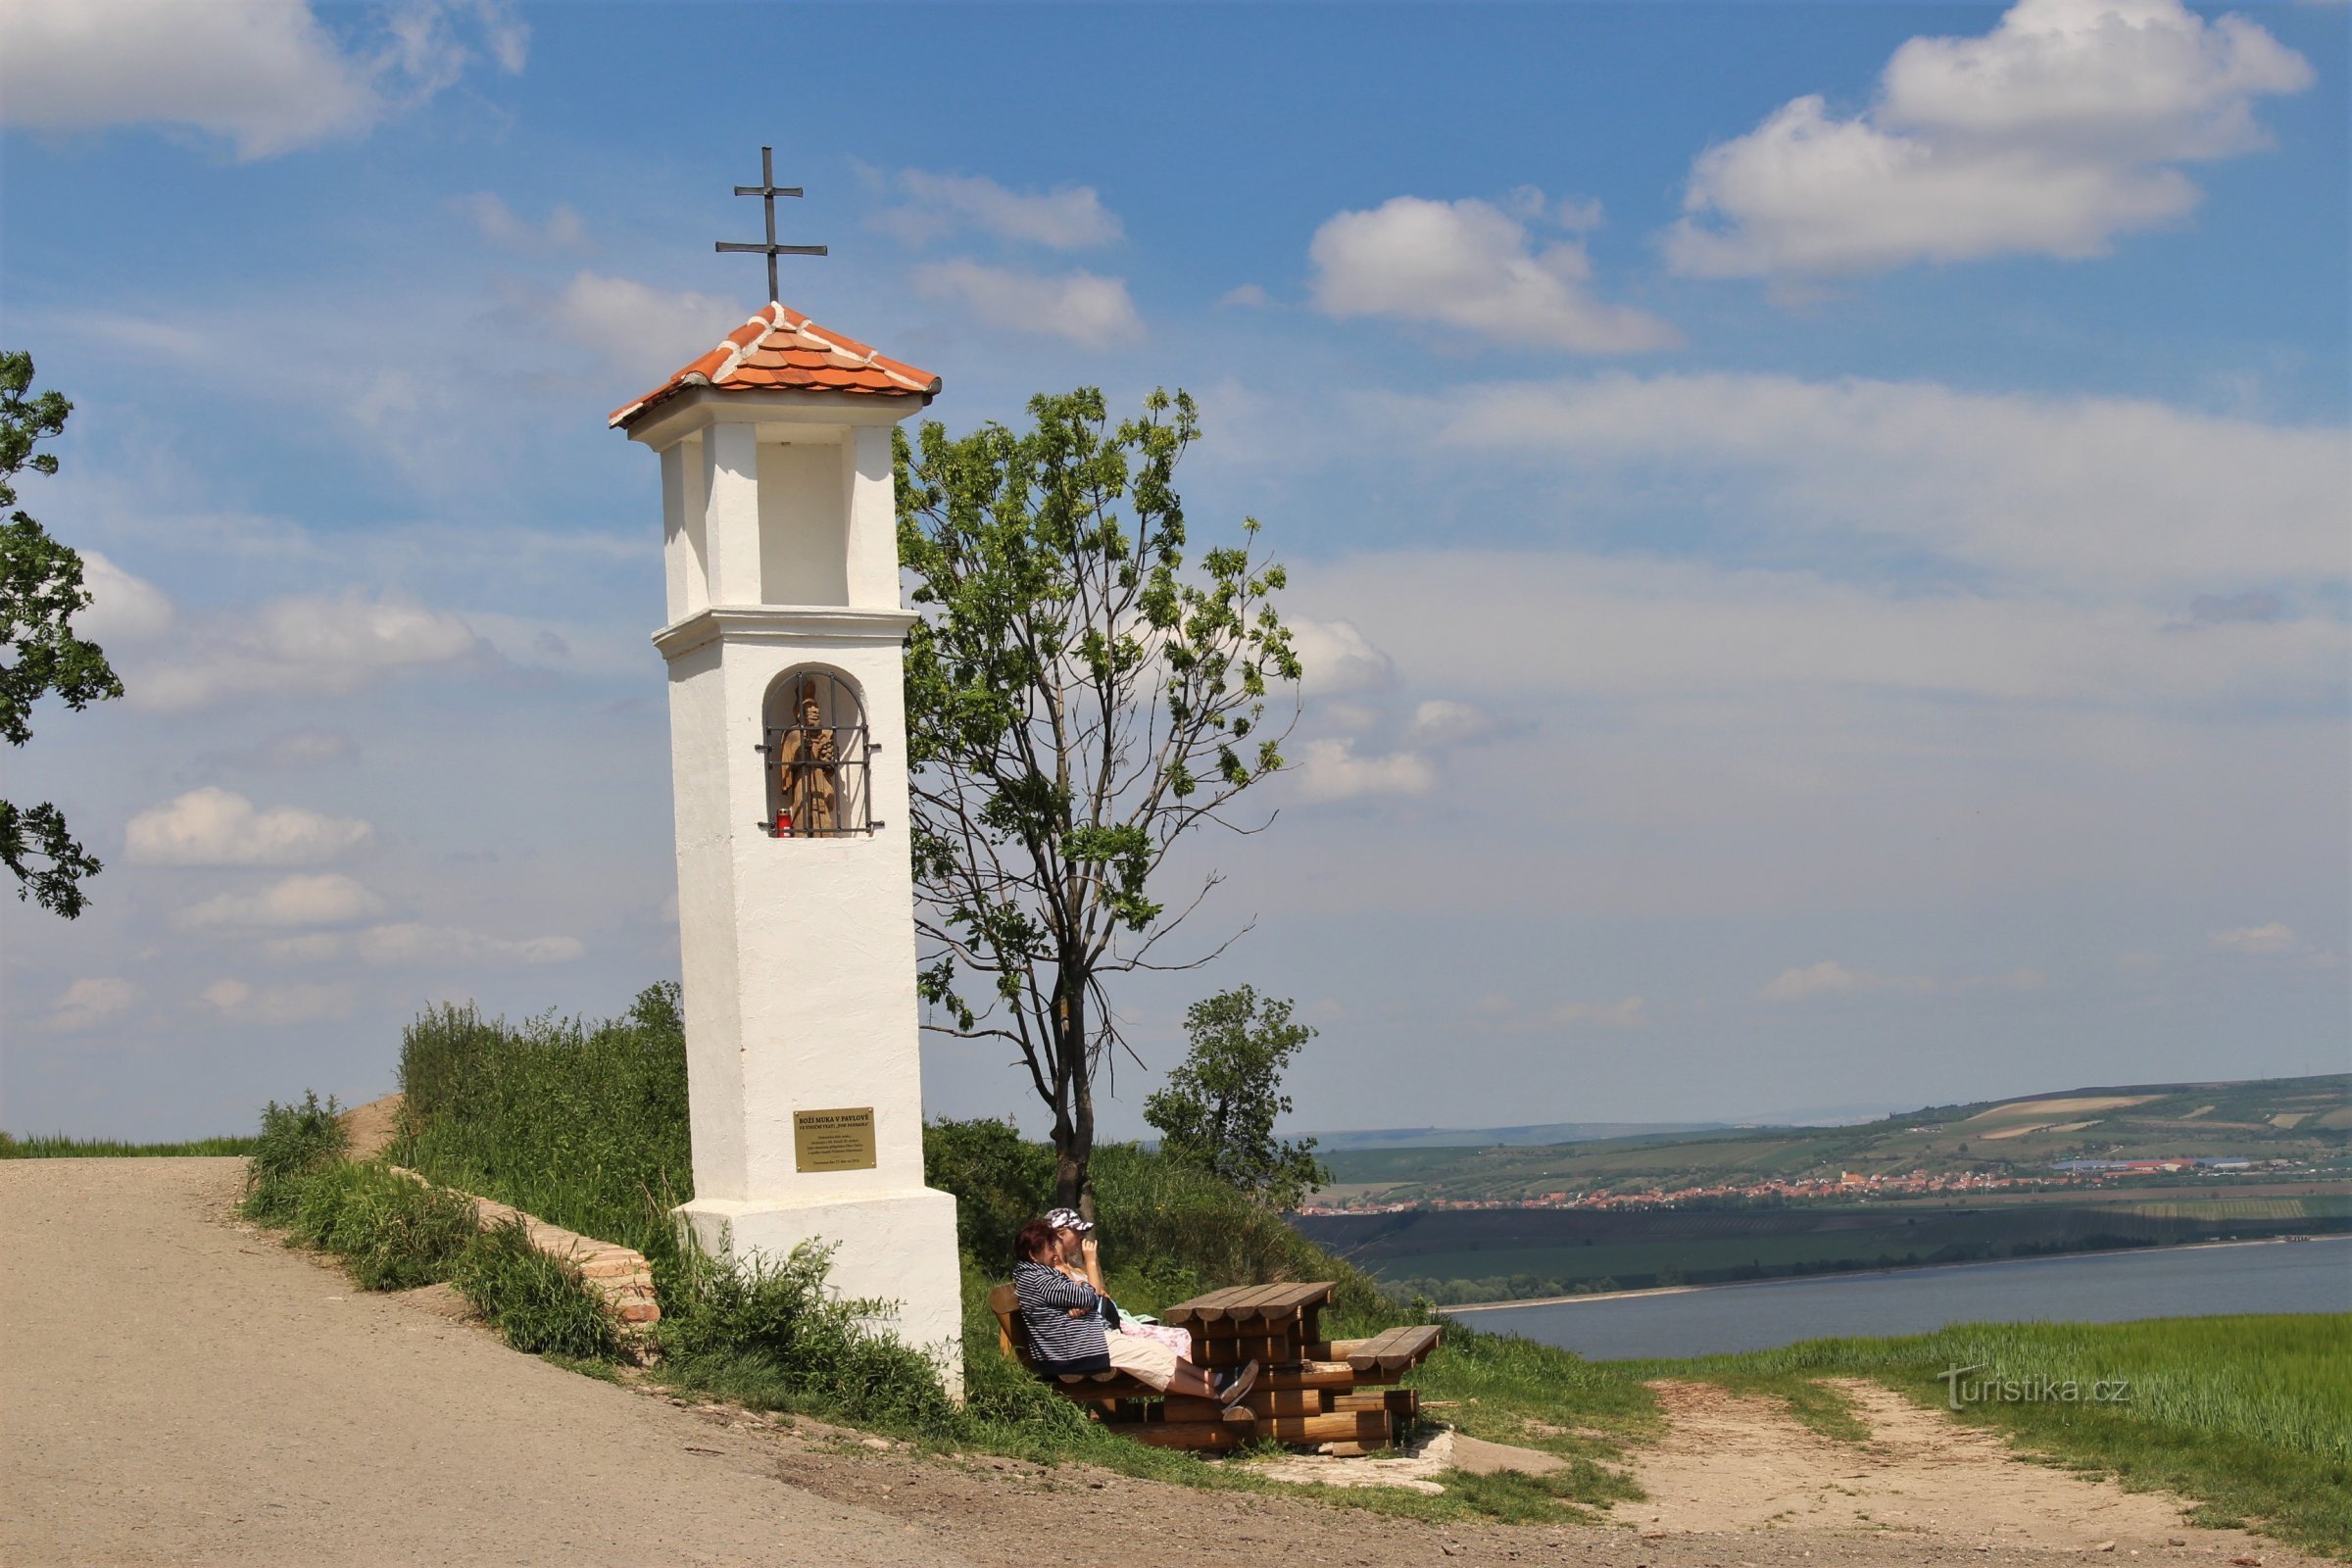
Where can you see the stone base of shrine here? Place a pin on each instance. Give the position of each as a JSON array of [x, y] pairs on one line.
[[898, 1247]]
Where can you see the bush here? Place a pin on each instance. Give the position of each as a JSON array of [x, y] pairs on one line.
[[392, 1234], [769, 1332], [296, 1142], [1000, 1181], [538, 1302]]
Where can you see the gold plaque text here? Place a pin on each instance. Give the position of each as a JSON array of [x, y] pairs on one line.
[[833, 1139]]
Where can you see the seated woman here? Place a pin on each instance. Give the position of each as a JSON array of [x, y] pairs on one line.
[[1067, 1332], [1081, 1259]]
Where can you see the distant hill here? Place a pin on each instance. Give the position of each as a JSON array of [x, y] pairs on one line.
[[1550, 1132], [2304, 1120]]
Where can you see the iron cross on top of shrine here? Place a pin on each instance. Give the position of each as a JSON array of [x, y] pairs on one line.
[[767, 190]]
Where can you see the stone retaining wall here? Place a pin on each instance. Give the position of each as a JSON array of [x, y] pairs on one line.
[[619, 1275]]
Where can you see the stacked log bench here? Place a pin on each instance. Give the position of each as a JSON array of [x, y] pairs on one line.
[[1309, 1391]]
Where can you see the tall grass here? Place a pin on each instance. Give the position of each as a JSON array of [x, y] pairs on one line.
[[582, 1124], [537, 1303], [296, 1142], [57, 1145]]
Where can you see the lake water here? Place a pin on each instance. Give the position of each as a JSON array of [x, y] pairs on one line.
[[2314, 1276]]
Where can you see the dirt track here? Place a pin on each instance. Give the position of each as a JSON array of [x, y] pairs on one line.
[[180, 1390]]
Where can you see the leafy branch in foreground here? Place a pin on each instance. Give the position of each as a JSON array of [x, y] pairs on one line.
[[1077, 700], [40, 593]]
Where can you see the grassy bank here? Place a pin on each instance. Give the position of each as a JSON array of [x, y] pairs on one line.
[[58, 1146], [2251, 1416]]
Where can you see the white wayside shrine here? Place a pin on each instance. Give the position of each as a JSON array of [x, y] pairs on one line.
[[796, 911]]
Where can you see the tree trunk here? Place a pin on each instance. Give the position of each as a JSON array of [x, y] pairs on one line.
[[1074, 1124]]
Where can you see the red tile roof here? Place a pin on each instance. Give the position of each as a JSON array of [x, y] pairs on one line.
[[780, 350]]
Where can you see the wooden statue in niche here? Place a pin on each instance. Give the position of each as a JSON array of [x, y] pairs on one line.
[[811, 767]]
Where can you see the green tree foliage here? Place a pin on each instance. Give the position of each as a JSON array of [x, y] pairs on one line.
[[1217, 1109], [40, 593], [1001, 1180], [1077, 700]]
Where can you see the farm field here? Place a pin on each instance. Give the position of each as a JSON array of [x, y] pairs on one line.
[[2304, 1121], [1457, 1256]]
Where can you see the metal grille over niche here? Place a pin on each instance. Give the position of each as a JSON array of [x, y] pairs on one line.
[[815, 737]]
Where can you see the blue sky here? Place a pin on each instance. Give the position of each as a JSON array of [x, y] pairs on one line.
[[1819, 528]]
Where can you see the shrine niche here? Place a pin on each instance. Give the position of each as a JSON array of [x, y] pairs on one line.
[[816, 740]]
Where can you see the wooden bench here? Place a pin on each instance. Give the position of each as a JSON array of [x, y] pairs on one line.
[[1087, 1388], [1308, 1391]]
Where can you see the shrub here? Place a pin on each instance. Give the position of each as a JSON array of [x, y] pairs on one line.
[[769, 1331], [392, 1234], [999, 1180], [295, 1142], [539, 1303]]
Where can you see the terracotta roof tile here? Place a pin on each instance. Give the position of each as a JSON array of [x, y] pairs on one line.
[[780, 350]]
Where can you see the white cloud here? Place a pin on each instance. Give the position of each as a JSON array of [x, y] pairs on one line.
[[1469, 265], [307, 644], [1832, 978], [123, 609], [639, 331], [265, 75], [2050, 135], [87, 1004], [1088, 310], [410, 944], [239, 1002], [212, 826], [2257, 939], [1335, 659], [2077, 491], [1443, 721], [1066, 218], [328, 898], [501, 224], [1328, 769]]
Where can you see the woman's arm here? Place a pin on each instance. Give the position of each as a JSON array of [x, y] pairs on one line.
[[1092, 1251]]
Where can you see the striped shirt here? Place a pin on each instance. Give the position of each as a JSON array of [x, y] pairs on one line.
[[1057, 1339]]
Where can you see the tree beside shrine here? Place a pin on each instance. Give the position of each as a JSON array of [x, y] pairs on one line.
[[1080, 695], [40, 593]]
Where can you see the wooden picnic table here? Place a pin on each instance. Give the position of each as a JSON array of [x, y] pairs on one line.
[[1310, 1392]]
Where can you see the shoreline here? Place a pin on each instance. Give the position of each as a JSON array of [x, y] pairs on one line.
[[1869, 1273]]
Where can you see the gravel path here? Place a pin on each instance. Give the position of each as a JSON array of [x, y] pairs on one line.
[[179, 1388]]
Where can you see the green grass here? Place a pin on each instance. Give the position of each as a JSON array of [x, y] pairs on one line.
[[537, 1303], [2250, 1416], [392, 1234], [58, 1146], [581, 1124]]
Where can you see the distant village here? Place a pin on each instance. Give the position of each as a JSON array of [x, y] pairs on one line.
[[1848, 1185]]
